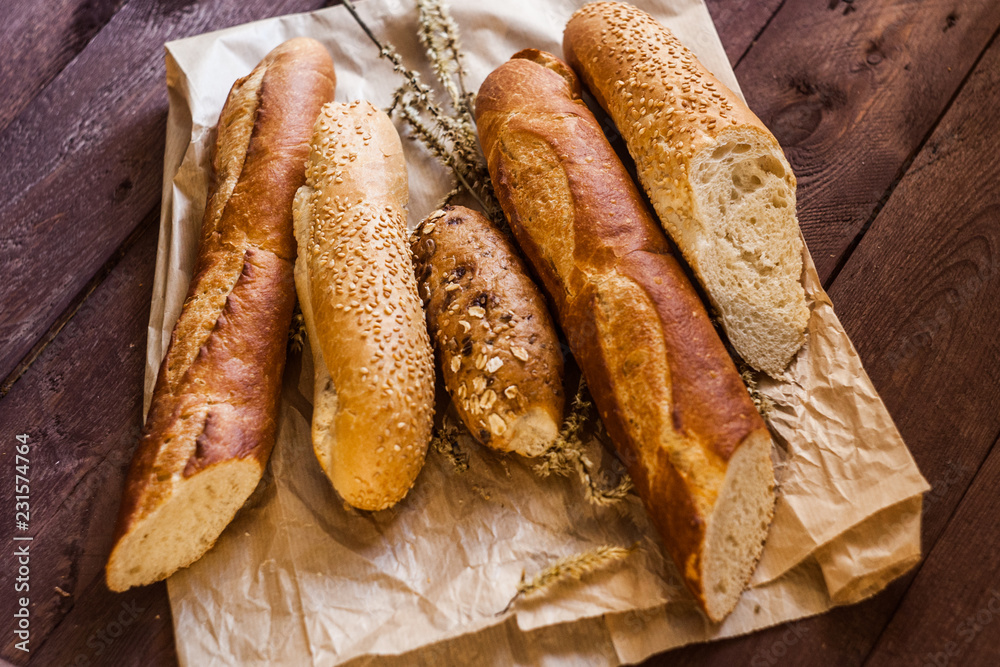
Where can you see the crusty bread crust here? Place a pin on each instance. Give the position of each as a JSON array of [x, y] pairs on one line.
[[716, 176], [374, 398], [495, 340], [670, 396], [216, 396]]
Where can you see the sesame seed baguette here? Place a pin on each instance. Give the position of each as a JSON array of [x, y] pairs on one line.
[[213, 416], [495, 340], [716, 176], [670, 396], [374, 391]]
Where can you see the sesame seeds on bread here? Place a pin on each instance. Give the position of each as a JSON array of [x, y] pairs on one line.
[[715, 175], [667, 391], [374, 389]]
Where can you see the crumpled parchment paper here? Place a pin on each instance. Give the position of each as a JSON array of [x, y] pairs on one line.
[[298, 578]]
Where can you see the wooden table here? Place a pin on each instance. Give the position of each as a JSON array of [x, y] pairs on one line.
[[888, 111]]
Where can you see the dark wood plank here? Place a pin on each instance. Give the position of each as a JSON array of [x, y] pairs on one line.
[[738, 23], [924, 340], [933, 352], [950, 324], [852, 96], [68, 314], [918, 299], [37, 39], [132, 629], [83, 162], [81, 405], [951, 612]]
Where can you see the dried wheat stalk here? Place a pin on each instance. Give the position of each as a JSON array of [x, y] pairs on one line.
[[450, 137], [567, 456], [445, 441], [570, 568]]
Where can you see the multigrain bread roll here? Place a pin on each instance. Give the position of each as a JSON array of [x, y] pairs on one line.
[[670, 396], [495, 340], [211, 423], [373, 402], [716, 176]]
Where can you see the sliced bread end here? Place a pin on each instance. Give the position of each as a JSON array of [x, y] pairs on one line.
[[184, 526], [737, 528], [746, 248]]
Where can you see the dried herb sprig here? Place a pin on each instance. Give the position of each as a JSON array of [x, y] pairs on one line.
[[567, 456], [297, 331], [445, 441], [451, 138], [761, 401], [439, 35], [570, 568]]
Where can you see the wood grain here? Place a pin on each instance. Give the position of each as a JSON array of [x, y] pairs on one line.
[[83, 162], [951, 612], [132, 629], [738, 23], [943, 343], [918, 299], [37, 39], [932, 347], [69, 313], [918, 295], [852, 96], [81, 405]]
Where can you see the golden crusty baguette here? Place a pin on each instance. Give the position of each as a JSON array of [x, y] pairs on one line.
[[374, 386], [212, 420], [497, 346], [716, 176], [670, 396]]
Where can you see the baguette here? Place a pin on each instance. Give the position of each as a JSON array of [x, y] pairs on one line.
[[716, 176], [373, 402], [667, 391], [495, 340], [212, 420]]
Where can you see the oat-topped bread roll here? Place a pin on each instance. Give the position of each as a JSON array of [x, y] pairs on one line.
[[716, 176], [670, 396], [495, 340], [212, 419], [373, 403]]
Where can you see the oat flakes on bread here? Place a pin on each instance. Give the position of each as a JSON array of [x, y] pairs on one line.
[[496, 343], [716, 176]]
